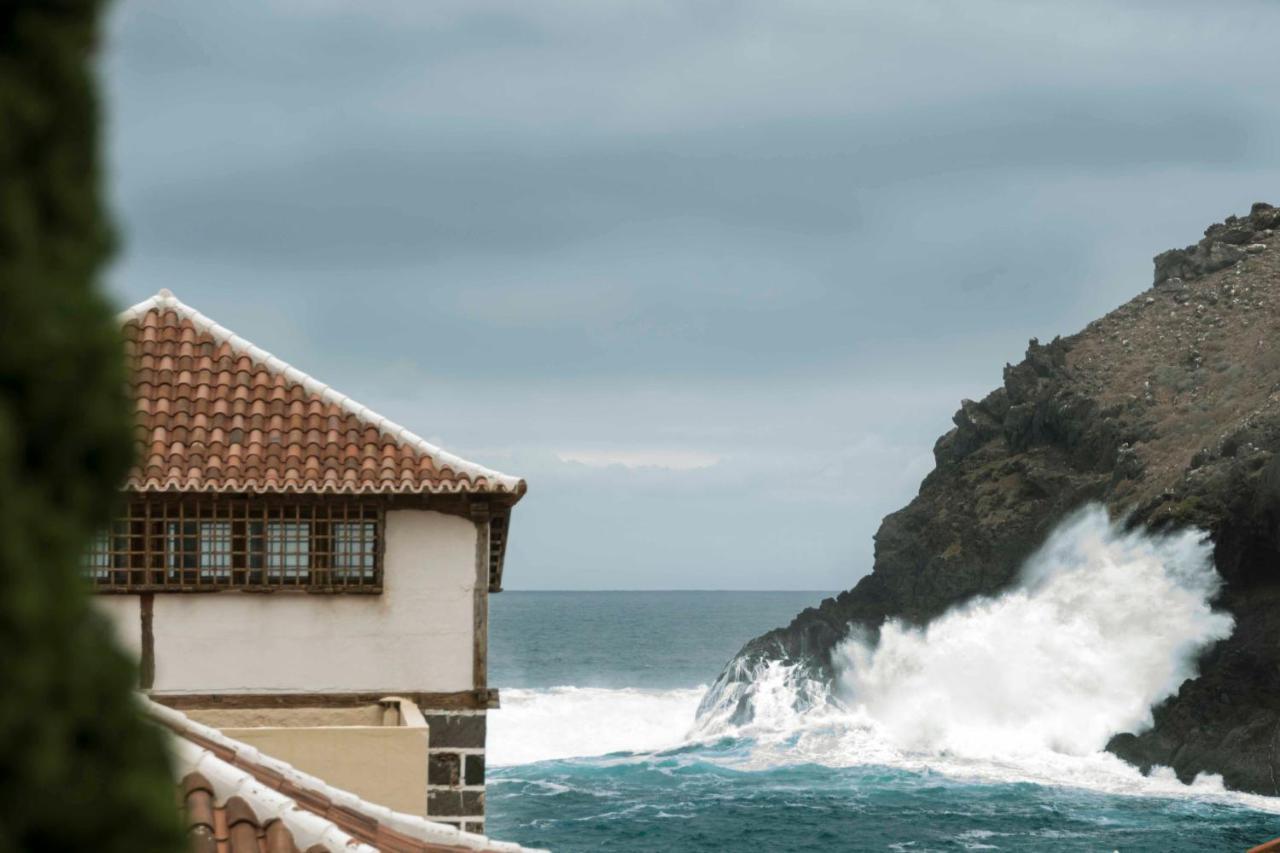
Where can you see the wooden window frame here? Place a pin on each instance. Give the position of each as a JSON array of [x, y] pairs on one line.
[[213, 543]]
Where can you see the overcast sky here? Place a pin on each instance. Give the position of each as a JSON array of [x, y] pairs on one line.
[[712, 276]]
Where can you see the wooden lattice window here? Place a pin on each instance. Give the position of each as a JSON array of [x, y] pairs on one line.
[[208, 544]]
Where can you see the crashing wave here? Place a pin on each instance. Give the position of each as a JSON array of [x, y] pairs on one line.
[[1102, 625], [758, 692], [1028, 685]]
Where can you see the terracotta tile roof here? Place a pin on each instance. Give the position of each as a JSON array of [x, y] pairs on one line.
[[235, 797], [218, 414], [232, 827]]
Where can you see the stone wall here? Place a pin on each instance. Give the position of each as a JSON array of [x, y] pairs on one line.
[[455, 768]]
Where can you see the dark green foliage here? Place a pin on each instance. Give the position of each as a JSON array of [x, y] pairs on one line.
[[79, 768]]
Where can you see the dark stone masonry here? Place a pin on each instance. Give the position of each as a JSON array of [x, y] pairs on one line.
[[455, 768]]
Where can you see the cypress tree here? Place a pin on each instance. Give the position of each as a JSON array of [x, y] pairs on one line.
[[80, 769]]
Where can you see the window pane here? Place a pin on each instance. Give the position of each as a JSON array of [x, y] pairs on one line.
[[181, 547], [353, 549], [257, 550], [288, 550], [215, 550], [98, 560]]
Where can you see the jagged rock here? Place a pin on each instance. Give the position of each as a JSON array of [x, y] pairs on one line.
[[1224, 244], [1232, 232], [1171, 416]]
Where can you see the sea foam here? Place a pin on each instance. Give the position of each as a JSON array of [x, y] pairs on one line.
[[566, 722]]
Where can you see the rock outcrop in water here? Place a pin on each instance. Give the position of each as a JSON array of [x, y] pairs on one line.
[[1168, 411]]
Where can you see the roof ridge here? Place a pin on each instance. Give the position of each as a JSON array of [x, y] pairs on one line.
[[228, 782], [165, 299]]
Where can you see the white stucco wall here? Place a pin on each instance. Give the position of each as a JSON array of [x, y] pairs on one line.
[[415, 636], [124, 613]]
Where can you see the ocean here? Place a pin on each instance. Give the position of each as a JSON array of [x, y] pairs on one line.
[[597, 746]]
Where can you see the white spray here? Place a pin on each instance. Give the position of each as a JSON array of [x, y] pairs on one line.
[[1102, 626]]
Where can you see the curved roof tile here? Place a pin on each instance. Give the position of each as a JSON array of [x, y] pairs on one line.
[[195, 383]]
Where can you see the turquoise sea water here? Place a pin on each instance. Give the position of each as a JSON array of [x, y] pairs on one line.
[[593, 750]]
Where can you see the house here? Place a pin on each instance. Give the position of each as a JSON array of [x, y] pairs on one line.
[[288, 555]]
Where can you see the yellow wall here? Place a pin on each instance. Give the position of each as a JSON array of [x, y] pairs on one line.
[[382, 764]]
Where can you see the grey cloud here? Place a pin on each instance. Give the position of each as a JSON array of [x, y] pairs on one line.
[[395, 203], [788, 237]]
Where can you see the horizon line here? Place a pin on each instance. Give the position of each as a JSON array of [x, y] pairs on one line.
[[509, 589]]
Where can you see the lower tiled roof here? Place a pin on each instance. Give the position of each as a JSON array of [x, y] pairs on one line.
[[227, 810], [236, 797], [233, 826]]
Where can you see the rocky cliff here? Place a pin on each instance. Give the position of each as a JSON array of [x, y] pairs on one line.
[[1168, 411]]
